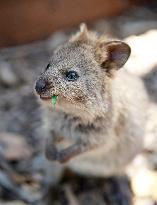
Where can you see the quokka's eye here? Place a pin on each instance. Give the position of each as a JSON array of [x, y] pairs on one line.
[[72, 75], [48, 65]]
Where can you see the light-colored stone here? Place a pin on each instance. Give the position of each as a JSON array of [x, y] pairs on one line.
[[145, 201], [144, 183], [143, 53], [7, 76]]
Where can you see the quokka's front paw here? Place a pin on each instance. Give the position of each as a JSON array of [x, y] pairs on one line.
[[51, 153], [63, 157]]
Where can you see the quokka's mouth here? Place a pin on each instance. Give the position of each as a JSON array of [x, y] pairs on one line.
[[53, 99], [42, 97], [45, 97]]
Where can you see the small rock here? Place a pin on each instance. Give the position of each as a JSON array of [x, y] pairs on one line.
[[14, 146], [144, 184], [7, 76]]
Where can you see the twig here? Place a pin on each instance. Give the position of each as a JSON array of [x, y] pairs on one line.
[[70, 196]]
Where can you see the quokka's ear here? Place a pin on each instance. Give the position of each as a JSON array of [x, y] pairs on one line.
[[83, 29], [113, 54], [83, 34]]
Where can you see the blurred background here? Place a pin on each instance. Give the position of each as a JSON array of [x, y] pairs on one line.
[[29, 32]]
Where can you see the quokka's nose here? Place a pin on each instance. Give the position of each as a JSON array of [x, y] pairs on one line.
[[40, 86]]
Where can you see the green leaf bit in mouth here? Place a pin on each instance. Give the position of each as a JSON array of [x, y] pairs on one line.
[[54, 100]]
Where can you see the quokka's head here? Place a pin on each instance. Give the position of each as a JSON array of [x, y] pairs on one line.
[[80, 72]]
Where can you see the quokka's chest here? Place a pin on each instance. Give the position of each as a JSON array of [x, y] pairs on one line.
[[66, 126]]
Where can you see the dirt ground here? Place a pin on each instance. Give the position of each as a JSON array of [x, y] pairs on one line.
[[26, 177]]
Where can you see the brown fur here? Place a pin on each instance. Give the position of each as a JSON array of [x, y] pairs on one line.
[[99, 118]]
